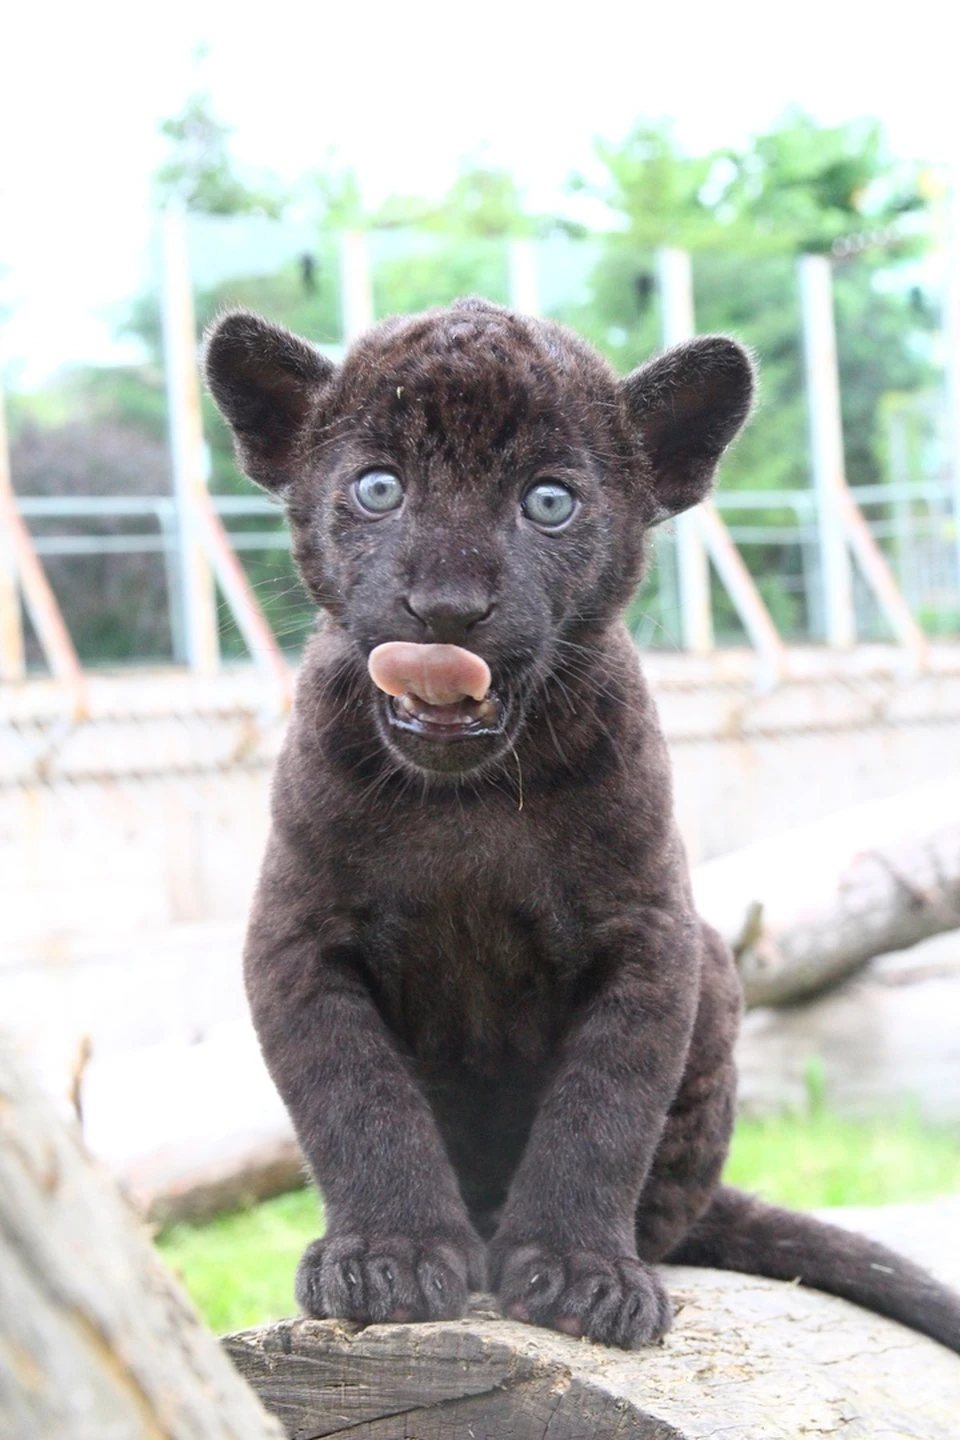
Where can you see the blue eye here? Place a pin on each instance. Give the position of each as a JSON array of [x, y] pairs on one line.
[[549, 504], [378, 492]]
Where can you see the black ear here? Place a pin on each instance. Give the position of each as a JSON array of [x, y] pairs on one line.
[[265, 381], [687, 405]]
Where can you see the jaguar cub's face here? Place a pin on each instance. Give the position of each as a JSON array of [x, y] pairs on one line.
[[476, 479]]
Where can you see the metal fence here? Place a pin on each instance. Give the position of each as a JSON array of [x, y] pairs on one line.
[[189, 577], [776, 533]]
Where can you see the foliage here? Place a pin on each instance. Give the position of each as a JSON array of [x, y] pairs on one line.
[[200, 171], [798, 189], [745, 214], [239, 1268], [821, 1159], [803, 187], [747, 217]]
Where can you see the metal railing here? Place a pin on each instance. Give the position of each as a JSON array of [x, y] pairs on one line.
[[831, 563], [913, 524]]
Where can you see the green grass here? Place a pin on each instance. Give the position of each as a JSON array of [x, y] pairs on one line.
[[806, 1161], [239, 1268]]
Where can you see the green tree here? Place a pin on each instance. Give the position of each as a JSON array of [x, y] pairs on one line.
[[428, 252], [746, 216], [200, 171]]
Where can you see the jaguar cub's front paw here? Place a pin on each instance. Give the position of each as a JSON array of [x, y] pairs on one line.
[[373, 1279], [616, 1301]]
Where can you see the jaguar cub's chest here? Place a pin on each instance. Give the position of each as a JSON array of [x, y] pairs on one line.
[[473, 972]]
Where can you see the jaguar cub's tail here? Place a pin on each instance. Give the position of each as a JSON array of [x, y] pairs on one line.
[[739, 1232]]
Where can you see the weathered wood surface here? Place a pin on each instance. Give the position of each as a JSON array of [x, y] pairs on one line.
[[97, 1342], [747, 1359], [805, 908]]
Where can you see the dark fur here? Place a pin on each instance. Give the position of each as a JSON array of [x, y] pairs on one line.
[[503, 1035]]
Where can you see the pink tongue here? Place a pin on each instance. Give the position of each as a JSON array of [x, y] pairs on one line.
[[438, 674]]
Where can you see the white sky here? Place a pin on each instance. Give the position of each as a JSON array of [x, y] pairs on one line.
[[401, 91]]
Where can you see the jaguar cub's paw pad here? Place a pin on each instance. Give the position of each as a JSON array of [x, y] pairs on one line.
[[615, 1301], [374, 1280]]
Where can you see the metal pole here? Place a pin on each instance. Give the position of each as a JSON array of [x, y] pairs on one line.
[[13, 664], [952, 336], [356, 285], [523, 287], [168, 521], [675, 281], [898, 451], [187, 450], [826, 446]]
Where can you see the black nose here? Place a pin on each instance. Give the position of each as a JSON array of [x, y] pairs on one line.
[[447, 616]]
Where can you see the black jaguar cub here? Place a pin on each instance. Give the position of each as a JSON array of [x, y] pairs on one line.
[[503, 1035]]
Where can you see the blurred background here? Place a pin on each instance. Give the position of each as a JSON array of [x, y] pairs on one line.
[[639, 177]]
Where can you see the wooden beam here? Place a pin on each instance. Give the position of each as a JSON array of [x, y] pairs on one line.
[[742, 589], [251, 621], [879, 576], [206, 554], [20, 567]]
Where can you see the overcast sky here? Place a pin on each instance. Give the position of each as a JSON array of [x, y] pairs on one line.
[[401, 91]]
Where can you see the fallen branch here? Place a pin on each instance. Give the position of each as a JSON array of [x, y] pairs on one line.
[[806, 908]]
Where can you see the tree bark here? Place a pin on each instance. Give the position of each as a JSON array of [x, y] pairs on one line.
[[747, 1359], [96, 1338], [809, 906]]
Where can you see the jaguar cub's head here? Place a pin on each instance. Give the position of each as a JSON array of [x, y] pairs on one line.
[[475, 483]]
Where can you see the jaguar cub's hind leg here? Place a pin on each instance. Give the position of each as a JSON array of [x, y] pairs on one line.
[[693, 1148]]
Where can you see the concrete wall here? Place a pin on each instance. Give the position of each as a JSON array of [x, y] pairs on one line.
[[129, 843], [154, 810], [840, 729]]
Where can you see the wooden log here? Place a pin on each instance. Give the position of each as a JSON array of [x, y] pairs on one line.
[[747, 1359], [97, 1341], [806, 908], [96, 1338]]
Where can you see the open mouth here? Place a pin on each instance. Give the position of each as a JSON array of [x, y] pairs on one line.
[[441, 692], [457, 720]]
